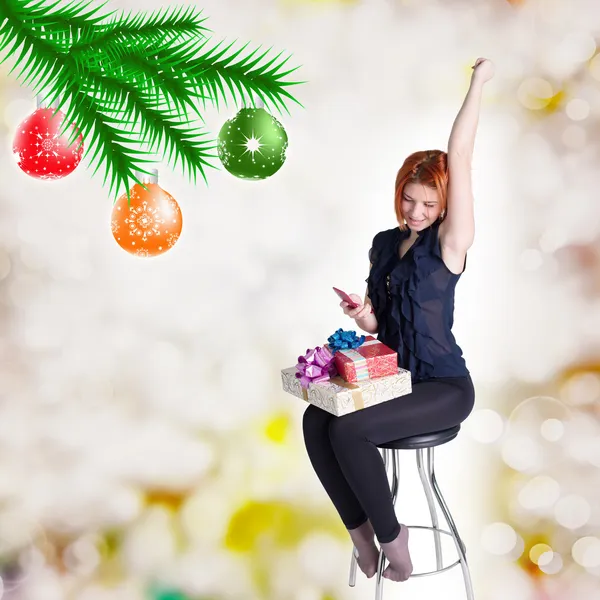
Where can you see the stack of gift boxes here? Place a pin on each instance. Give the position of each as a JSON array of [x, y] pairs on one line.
[[347, 374]]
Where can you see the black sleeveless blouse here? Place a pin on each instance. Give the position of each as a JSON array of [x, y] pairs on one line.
[[413, 300]]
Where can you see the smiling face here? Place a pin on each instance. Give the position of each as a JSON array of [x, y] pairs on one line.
[[421, 206]]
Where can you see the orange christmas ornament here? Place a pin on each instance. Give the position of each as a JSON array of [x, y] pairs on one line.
[[150, 224]]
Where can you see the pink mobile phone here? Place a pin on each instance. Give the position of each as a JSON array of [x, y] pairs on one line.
[[345, 298]]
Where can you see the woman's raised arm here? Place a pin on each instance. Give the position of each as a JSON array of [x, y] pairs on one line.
[[458, 228]]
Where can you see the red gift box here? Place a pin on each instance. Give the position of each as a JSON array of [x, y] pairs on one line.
[[371, 359]]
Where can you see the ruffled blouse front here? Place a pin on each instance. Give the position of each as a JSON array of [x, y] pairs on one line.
[[413, 300]]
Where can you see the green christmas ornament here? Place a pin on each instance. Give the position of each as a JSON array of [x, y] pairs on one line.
[[252, 145]]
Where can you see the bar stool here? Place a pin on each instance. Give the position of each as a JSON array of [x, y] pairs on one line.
[[431, 488]]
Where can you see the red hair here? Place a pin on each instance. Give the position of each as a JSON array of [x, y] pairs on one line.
[[427, 167]]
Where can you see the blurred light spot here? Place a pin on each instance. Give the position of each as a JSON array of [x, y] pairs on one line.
[[552, 429], [255, 520], [518, 550], [574, 136], [586, 552], [498, 538], [531, 259], [577, 46], [526, 417], [582, 388], [578, 109], [538, 551], [541, 491], [277, 429], [572, 511], [485, 425], [172, 500], [1, 588], [521, 453], [551, 566], [535, 93]]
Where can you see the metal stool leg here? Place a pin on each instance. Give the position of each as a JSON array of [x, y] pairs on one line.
[[353, 559], [432, 510], [457, 540], [431, 474], [353, 565], [394, 489]]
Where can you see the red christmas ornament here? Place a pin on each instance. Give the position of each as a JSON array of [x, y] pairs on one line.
[[40, 151], [150, 223]]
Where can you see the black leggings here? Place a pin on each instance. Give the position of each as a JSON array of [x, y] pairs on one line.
[[343, 450]]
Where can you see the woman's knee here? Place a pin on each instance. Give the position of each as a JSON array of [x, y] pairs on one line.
[[466, 401], [315, 419], [341, 430]]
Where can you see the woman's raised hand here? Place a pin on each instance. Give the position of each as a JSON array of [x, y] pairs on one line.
[[483, 70], [361, 311]]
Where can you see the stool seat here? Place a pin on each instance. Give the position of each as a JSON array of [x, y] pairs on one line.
[[425, 440]]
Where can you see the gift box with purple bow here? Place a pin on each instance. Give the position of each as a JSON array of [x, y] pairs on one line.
[[316, 380]]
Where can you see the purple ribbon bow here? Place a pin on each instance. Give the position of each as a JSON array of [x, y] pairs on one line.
[[315, 366]]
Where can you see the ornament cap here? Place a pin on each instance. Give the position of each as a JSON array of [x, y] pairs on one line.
[[148, 178], [42, 102]]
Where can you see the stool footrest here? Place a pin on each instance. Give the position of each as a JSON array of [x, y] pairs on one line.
[[429, 528]]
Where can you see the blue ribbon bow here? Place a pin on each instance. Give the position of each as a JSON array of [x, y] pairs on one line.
[[343, 340]]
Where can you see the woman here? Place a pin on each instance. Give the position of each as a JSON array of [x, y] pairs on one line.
[[409, 304]]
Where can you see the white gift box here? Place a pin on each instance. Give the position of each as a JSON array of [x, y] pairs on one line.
[[340, 397]]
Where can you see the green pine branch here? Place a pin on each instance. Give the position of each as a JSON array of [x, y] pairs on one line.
[[210, 71], [105, 142], [127, 34], [58, 27], [161, 76], [141, 115], [130, 81]]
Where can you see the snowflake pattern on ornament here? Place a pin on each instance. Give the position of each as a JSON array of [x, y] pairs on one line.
[[39, 149], [149, 224], [144, 221], [172, 239]]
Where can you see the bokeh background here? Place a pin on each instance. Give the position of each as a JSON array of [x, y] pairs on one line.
[[147, 451]]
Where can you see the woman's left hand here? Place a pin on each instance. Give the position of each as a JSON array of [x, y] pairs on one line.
[[483, 70]]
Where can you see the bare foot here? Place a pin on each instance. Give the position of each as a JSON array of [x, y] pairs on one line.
[[363, 538], [398, 555]]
